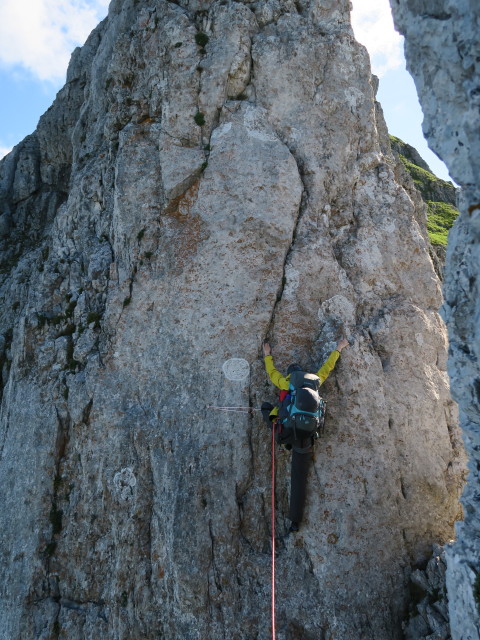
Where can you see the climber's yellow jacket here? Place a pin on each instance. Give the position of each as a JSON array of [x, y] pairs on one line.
[[283, 382]]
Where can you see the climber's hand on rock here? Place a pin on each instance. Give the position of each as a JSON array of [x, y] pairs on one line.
[[266, 349], [341, 344]]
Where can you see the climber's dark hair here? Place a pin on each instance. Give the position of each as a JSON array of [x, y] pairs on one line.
[[293, 367]]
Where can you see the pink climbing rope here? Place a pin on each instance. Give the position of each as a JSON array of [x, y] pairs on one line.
[[273, 532]]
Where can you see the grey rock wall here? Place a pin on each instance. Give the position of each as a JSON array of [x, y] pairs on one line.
[[443, 55], [181, 202]]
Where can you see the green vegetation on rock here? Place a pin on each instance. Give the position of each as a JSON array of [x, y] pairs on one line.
[[201, 39], [440, 218], [439, 195], [199, 118]]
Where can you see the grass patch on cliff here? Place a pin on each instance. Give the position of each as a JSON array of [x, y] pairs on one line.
[[421, 177], [201, 39], [199, 118], [440, 214], [440, 218]]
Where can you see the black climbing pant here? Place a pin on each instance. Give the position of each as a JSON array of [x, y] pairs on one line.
[[301, 460], [298, 483]]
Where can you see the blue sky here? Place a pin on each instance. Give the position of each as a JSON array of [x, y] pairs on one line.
[[37, 38], [35, 47], [373, 26]]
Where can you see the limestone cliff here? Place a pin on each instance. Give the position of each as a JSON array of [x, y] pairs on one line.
[[215, 173], [443, 54]]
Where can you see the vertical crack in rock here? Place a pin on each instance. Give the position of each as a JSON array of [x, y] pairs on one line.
[[215, 572], [5, 430], [56, 515], [281, 287]]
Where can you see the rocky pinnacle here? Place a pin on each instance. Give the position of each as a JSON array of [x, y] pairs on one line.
[[211, 175]]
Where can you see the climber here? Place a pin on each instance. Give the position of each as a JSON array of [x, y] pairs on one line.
[[302, 447]]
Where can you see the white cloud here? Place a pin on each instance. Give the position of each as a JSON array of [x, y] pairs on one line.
[[40, 35], [373, 26], [4, 151]]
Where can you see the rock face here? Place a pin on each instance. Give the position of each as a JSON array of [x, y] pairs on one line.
[[443, 54], [214, 174]]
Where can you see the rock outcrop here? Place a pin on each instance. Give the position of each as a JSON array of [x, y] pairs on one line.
[[214, 174], [428, 612], [443, 55], [440, 198]]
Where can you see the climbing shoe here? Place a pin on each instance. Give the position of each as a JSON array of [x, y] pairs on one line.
[[294, 527]]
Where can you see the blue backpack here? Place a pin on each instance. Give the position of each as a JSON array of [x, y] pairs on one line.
[[302, 412]]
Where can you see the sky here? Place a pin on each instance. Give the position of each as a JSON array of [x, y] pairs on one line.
[[37, 38]]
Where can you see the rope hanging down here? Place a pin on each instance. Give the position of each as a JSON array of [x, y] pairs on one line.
[[273, 532]]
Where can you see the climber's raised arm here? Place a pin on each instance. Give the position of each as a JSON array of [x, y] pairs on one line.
[[329, 365], [275, 376]]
